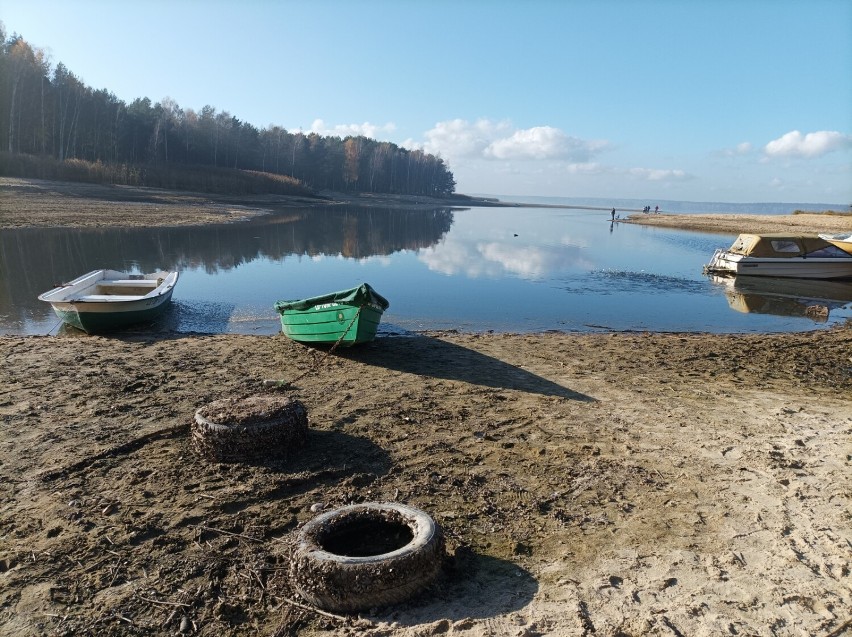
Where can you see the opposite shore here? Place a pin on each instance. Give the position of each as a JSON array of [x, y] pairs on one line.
[[40, 203]]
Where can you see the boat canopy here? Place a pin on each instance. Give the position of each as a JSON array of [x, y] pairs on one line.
[[362, 295], [843, 236], [781, 246]]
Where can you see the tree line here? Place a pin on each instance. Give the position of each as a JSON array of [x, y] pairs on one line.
[[48, 112]]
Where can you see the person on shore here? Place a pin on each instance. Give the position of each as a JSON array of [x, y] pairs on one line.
[[613, 214], [656, 209]]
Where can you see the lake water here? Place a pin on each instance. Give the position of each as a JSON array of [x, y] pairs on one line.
[[502, 269]]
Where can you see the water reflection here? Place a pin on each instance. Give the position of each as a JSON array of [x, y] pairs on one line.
[[34, 260], [498, 258], [811, 299], [522, 244], [479, 269]]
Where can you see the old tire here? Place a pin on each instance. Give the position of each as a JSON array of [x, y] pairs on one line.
[[394, 551], [252, 428]]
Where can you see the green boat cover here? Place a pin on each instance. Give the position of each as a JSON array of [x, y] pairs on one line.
[[360, 296]]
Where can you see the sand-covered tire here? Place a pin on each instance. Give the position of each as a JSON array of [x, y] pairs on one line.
[[253, 428], [366, 556]]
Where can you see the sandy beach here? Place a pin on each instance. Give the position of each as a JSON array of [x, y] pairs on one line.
[[754, 224], [588, 484]]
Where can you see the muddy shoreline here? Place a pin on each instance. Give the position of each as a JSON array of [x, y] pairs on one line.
[[40, 203], [622, 482]]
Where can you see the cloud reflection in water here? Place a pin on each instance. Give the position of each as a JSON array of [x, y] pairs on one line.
[[492, 259]]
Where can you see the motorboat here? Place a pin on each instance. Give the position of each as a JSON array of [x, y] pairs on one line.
[[782, 255], [842, 240]]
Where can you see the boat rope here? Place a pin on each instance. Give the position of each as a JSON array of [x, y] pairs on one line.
[[54, 327], [282, 384]]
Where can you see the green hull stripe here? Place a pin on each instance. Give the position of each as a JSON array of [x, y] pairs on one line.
[[92, 322], [327, 325]]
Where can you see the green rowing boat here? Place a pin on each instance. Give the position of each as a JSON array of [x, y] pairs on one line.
[[347, 317]]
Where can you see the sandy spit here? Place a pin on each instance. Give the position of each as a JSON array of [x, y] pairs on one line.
[[752, 224]]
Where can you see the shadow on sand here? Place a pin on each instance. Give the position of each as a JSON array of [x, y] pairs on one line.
[[478, 587], [333, 453], [328, 459], [432, 357]]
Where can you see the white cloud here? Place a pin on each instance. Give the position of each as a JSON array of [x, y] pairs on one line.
[[487, 139], [542, 142], [795, 144], [658, 174], [366, 129], [588, 168], [739, 150], [460, 138], [411, 144]]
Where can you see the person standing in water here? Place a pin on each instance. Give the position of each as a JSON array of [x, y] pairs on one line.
[[613, 214]]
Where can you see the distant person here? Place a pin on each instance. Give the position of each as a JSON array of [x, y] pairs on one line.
[[613, 214], [656, 209]]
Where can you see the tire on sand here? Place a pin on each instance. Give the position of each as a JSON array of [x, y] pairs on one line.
[[252, 428], [366, 556]]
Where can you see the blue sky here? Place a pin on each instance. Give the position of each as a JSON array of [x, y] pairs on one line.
[[729, 100]]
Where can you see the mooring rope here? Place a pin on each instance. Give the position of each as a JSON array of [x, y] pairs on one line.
[[58, 323], [281, 384]]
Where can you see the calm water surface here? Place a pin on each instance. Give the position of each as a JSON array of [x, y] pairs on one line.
[[509, 269]]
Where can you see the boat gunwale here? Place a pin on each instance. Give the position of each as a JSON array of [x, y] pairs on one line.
[[166, 287], [346, 297]]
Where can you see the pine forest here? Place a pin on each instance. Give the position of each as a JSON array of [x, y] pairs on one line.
[[53, 126]]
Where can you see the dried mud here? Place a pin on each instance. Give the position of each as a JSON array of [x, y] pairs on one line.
[[608, 484]]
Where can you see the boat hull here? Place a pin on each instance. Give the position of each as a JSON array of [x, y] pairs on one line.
[[341, 318], [105, 300], [790, 267], [331, 323], [103, 317]]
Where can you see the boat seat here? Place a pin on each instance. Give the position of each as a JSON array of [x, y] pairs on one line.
[[130, 283], [107, 297]]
